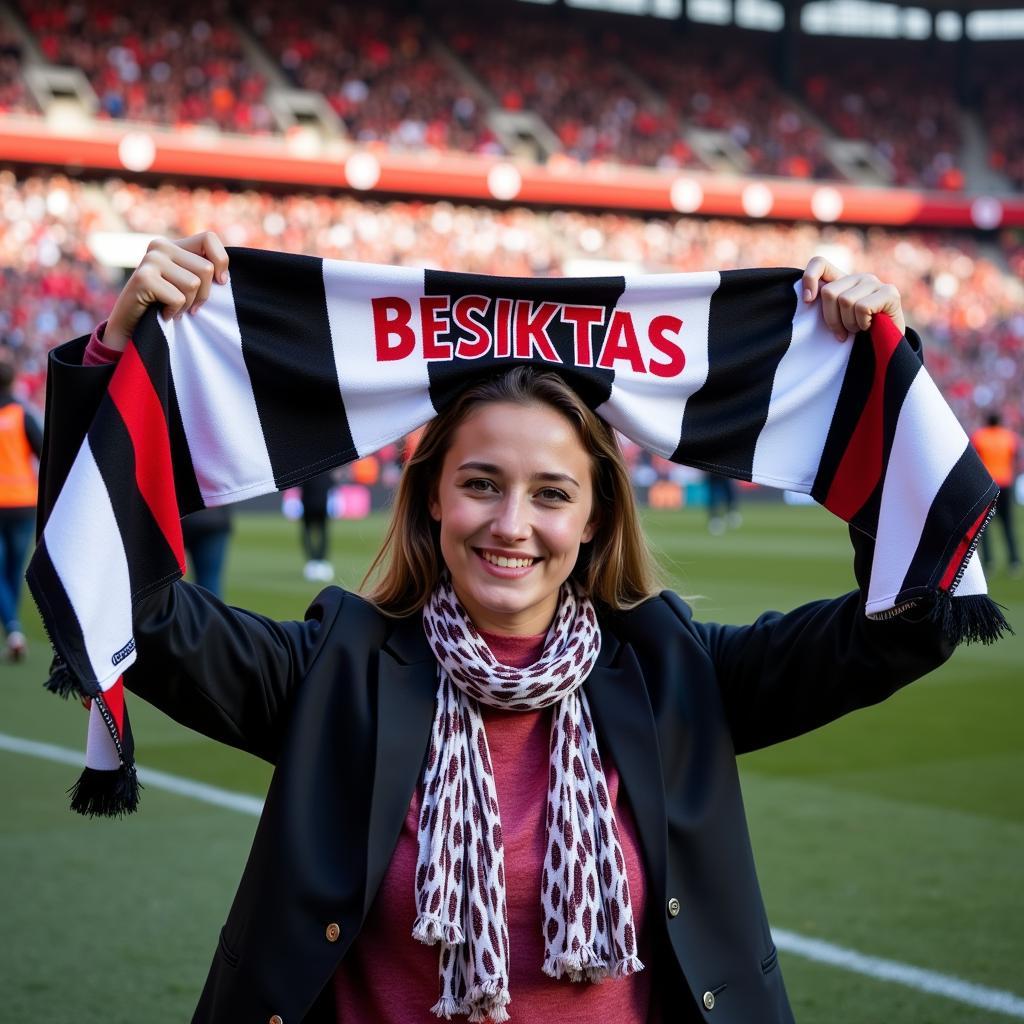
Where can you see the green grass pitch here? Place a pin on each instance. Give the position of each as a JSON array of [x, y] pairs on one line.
[[898, 832]]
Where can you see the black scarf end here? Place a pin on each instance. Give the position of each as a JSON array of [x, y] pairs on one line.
[[62, 681], [972, 619], [106, 794]]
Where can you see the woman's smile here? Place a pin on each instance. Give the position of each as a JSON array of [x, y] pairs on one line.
[[506, 564]]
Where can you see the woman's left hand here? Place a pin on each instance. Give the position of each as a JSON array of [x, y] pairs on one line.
[[850, 301]]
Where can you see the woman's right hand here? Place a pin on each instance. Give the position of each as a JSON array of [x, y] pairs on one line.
[[177, 275]]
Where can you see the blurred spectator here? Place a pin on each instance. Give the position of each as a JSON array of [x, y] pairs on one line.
[[999, 449], [722, 509], [315, 531], [206, 534], [21, 443]]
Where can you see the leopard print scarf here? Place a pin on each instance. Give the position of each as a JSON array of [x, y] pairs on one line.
[[460, 872]]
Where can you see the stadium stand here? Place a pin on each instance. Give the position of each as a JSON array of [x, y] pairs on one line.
[[14, 97], [375, 67], [609, 88], [177, 67], [899, 98], [1000, 85]]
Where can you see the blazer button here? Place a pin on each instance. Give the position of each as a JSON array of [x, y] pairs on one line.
[[673, 907], [709, 1000], [333, 932], [276, 1019]]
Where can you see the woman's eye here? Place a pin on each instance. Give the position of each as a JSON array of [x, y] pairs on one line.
[[478, 485], [553, 494]]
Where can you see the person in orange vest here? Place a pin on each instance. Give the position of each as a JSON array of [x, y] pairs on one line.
[[21, 440], [999, 448]]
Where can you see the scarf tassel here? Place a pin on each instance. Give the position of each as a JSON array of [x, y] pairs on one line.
[[106, 794], [487, 1002], [429, 929], [446, 1006], [62, 681], [586, 963], [975, 618]]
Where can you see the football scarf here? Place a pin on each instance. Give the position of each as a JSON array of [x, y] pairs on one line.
[[302, 364]]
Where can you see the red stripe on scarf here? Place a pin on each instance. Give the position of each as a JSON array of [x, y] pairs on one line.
[[861, 466], [961, 552], [143, 413], [114, 699]]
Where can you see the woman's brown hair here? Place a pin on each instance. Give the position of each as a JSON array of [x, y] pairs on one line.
[[614, 569]]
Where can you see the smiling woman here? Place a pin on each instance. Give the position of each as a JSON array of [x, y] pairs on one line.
[[508, 771], [517, 468]]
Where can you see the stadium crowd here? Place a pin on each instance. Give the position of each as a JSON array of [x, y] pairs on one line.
[[180, 66], [608, 89], [966, 303], [897, 98], [376, 69], [999, 92]]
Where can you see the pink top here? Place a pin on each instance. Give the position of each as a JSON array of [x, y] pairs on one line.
[[390, 978], [96, 353]]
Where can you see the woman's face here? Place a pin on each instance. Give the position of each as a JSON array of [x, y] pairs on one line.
[[514, 503]]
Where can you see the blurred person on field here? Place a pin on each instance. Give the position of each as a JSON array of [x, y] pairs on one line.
[[999, 448], [206, 534], [722, 510], [21, 441], [315, 533]]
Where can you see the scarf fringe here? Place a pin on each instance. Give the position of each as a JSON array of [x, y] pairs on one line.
[[487, 1001], [106, 794], [628, 965], [429, 930], [63, 682], [446, 1006], [975, 618], [585, 962]]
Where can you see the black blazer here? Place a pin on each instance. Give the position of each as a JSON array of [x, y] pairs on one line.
[[342, 704]]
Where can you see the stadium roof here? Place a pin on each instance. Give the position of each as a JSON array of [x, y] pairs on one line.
[[948, 19]]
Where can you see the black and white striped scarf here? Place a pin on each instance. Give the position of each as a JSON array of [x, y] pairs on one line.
[[301, 364]]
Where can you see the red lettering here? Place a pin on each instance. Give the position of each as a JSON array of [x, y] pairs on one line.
[[531, 331], [433, 324], [667, 346], [469, 349], [391, 318], [583, 318], [621, 343], [502, 328]]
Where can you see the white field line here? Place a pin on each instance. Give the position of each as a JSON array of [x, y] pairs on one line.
[[931, 982]]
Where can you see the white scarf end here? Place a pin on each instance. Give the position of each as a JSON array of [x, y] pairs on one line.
[[446, 1006], [627, 966], [588, 965], [430, 930], [583, 963], [488, 1002]]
